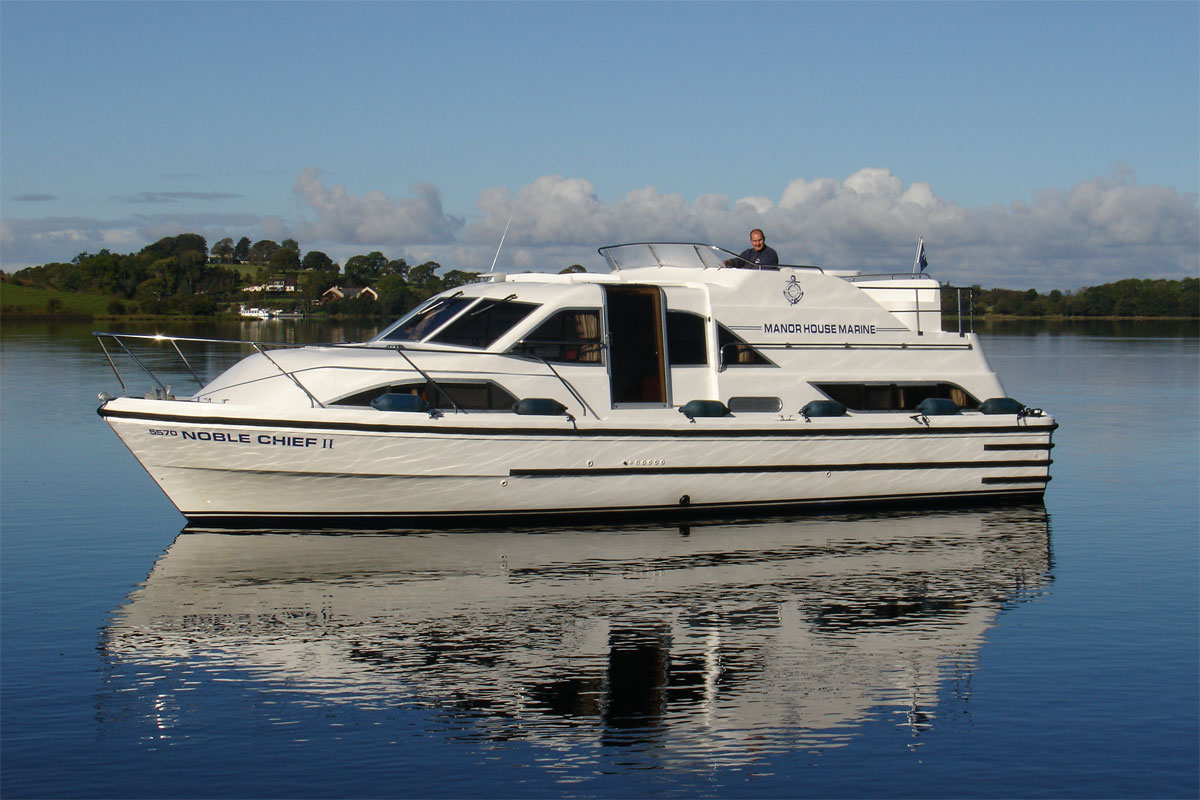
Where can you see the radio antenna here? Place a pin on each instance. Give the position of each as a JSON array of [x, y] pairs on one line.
[[497, 256]]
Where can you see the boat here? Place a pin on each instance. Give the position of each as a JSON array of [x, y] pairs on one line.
[[680, 382], [256, 313]]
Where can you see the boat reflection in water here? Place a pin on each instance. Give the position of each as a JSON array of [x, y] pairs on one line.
[[720, 640]]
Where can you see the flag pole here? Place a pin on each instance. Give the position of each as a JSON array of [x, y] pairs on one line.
[[917, 257]]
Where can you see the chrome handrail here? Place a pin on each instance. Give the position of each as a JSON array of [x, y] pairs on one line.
[[403, 351], [428, 378], [724, 363], [174, 340], [608, 252], [312, 398]]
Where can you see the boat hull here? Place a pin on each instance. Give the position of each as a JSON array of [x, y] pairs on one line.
[[226, 470]]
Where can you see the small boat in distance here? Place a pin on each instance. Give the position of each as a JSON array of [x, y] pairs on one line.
[[257, 313], [683, 381]]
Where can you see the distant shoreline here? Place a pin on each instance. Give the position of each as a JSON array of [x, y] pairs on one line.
[[66, 316]]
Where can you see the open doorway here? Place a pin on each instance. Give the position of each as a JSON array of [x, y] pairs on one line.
[[637, 353]]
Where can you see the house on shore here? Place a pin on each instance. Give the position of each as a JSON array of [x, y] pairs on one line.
[[339, 293], [282, 283], [276, 284]]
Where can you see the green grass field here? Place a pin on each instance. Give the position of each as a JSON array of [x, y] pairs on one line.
[[28, 300]]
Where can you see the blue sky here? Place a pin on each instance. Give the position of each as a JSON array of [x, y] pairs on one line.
[[1052, 145]]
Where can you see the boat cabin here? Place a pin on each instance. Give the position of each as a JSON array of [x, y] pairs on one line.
[[673, 323]]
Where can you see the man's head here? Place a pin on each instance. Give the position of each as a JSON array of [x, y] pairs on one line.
[[758, 239]]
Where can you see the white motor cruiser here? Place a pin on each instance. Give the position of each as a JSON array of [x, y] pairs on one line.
[[681, 381]]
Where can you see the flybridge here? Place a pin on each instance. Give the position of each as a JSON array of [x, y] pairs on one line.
[[681, 255]]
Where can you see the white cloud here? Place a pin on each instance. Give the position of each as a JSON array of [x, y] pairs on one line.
[[25, 242], [28, 242], [373, 218]]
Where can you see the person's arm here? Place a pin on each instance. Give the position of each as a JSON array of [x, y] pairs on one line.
[[743, 259]]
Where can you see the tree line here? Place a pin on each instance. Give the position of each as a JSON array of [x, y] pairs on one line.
[[1131, 297], [181, 275]]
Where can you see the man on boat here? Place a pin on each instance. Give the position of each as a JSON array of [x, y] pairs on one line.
[[757, 255]]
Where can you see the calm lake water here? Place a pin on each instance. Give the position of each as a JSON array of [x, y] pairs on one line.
[[1019, 652]]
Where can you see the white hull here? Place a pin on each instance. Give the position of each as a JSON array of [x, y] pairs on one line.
[[358, 470]]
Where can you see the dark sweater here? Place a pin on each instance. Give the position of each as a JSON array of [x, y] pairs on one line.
[[767, 257]]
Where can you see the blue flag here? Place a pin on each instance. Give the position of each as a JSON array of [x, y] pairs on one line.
[[920, 261]]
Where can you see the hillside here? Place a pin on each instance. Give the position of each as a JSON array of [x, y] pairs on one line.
[[179, 276]]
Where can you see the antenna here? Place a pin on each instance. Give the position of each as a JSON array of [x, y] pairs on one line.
[[497, 256]]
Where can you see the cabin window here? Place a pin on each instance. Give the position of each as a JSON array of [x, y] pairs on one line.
[[686, 345], [486, 322], [893, 396], [754, 405], [470, 396], [570, 336], [428, 319], [735, 352]]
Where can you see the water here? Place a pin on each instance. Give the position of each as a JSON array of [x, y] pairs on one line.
[[1019, 652]]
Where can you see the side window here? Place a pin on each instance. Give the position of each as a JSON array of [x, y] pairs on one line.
[[469, 396], [736, 353], [484, 396], [485, 323], [893, 396], [755, 405], [570, 336], [686, 344]]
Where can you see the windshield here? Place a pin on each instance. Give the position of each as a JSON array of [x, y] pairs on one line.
[[666, 254], [425, 319], [485, 323]]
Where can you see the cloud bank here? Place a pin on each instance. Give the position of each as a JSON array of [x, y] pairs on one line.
[[29, 242], [373, 218], [1103, 229]]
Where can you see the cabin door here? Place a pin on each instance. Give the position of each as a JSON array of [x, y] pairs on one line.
[[637, 362]]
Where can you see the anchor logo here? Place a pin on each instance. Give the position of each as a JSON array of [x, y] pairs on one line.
[[792, 292]]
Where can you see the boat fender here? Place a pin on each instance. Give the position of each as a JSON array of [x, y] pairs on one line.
[[937, 407], [822, 408], [394, 401], [704, 408], [539, 406], [1001, 405]]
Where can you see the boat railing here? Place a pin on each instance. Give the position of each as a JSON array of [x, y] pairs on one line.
[[730, 351], [684, 255], [970, 290], [908, 276], [121, 343], [887, 276]]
